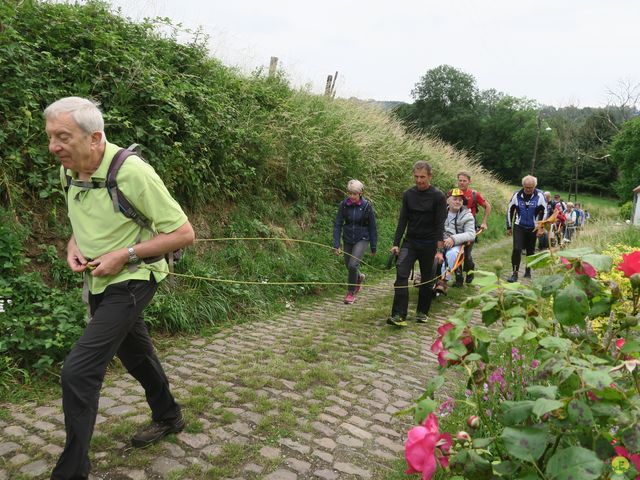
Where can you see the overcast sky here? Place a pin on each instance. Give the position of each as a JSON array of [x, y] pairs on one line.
[[560, 52]]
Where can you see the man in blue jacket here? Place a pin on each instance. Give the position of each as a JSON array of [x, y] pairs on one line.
[[526, 206]]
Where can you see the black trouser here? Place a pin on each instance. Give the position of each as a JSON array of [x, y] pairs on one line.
[[406, 259], [523, 239], [468, 259], [116, 327]]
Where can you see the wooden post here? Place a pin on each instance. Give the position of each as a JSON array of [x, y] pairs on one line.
[[327, 87], [333, 85], [273, 65]]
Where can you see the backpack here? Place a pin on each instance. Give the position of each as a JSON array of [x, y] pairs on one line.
[[122, 204]]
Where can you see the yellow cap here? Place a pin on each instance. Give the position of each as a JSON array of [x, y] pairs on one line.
[[456, 192]]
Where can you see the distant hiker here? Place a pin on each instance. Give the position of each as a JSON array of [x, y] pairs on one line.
[[526, 206], [473, 199], [459, 229], [572, 222], [108, 248], [356, 220], [422, 216], [543, 240]]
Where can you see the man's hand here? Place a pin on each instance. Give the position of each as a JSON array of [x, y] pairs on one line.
[[440, 256], [110, 263], [483, 226], [337, 251], [448, 243], [395, 250], [75, 259], [509, 231]]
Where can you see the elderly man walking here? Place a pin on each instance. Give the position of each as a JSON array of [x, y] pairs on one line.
[[109, 249], [526, 206]]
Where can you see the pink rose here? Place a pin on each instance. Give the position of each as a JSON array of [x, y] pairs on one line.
[[581, 268], [438, 347], [426, 447]]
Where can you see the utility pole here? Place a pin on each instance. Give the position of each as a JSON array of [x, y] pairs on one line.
[[330, 86], [535, 146]]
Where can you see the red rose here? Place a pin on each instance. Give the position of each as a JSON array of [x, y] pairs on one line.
[[630, 263]]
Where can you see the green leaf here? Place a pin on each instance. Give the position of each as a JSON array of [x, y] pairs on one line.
[[546, 405], [579, 413], [541, 391], [525, 443], [571, 306], [600, 308], [631, 438], [483, 442], [432, 386], [576, 252], [473, 357], [602, 263], [481, 334], [423, 409], [556, 343], [574, 463], [529, 336], [510, 334], [472, 465], [550, 285], [484, 278], [598, 379], [505, 469], [490, 315], [631, 346], [513, 413]]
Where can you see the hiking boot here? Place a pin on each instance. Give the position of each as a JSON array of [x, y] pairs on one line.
[[349, 299], [513, 278], [359, 283], [155, 431], [459, 280], [469, 277], [527, 272], [421, 317], [396, 321]]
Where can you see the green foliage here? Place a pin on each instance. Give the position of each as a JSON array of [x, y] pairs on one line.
[[626, 210], [552, 397], [38, 324], [625, 152]]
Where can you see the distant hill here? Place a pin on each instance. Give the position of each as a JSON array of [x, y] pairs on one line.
[[386, 105]]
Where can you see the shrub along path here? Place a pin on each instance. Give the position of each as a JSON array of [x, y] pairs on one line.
[[308, 394]]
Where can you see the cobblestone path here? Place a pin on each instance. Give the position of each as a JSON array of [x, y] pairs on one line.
[[308, 394]]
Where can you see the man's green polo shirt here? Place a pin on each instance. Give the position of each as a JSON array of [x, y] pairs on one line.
[[99, 229]]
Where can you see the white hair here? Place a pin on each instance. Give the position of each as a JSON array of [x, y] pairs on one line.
[[84, 111], [530, 178], [355, 186]]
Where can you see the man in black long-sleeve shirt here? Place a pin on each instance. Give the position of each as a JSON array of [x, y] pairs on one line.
[[422, 216]]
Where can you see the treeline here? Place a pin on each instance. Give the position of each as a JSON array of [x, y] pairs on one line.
[[566, 148], [248, 156]]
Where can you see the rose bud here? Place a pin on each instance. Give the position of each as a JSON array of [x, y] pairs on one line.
[[635, 280], [463, 436], [473, 421]]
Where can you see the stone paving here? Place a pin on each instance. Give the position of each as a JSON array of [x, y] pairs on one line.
[[309, 394]]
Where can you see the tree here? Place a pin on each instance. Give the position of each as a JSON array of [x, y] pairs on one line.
[[445, 105], [625, 153]]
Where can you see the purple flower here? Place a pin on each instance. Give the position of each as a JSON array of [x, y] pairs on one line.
[[535, 363], [515, 354]]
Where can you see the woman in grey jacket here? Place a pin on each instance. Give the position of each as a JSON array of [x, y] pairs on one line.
[[459, 228], [356, 220]]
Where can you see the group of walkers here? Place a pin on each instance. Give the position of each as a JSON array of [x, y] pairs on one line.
[[125, 220], [527, 209], [432, 227]]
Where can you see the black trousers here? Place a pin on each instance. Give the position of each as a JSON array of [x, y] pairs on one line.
[[116, 327], [468, 259], [523, 239], [406, 260]]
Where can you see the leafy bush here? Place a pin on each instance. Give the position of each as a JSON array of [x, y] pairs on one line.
[[548, 398], [626, 210]]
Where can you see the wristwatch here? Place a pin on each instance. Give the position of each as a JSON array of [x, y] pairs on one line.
[[439, 250], [133, 258]]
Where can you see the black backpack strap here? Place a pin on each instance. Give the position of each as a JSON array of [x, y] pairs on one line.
[[120, 201]]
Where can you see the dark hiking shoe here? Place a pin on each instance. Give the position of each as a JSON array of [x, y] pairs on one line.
[[421, 318], [513, 278], [459, 280], [396, 321], [527, 273], [155, 431], [469, 277]]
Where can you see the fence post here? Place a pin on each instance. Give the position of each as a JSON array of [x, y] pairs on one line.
[[273, 65]]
